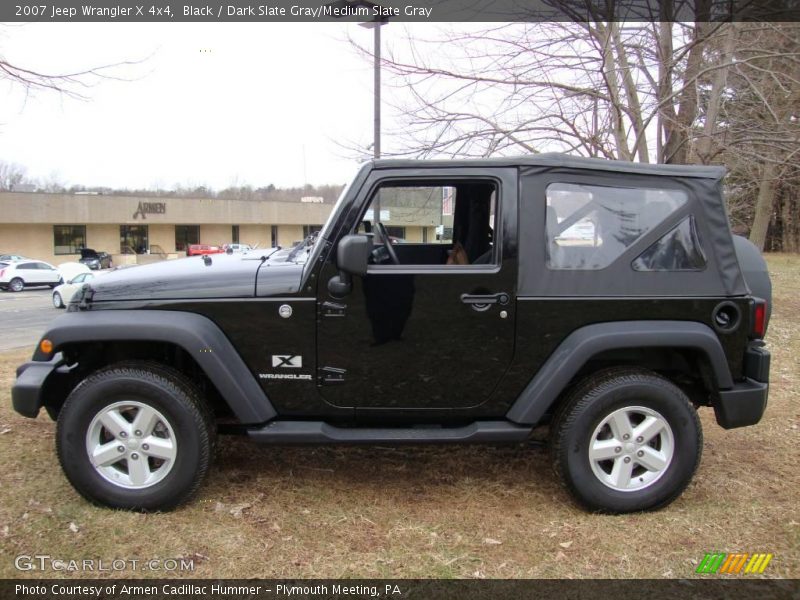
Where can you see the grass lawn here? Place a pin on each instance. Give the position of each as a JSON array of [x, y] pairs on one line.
[[424, 512]]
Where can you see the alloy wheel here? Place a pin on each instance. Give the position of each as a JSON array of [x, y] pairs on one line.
[[131, 444], [631, 448]]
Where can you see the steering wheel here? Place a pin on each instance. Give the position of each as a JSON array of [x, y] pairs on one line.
[[387, 243]]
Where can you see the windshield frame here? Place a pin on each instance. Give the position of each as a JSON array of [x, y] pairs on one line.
[[326, 232]]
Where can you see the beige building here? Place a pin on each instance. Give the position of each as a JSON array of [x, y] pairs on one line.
[[53, 227]]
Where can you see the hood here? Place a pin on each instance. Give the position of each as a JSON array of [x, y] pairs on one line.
[[221, 276]]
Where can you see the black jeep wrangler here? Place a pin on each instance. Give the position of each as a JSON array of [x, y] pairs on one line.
[[444, 301]]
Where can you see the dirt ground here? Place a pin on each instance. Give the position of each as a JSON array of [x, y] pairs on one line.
[[495, 512]]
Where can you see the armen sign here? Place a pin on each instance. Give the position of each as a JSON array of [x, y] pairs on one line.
[[150, 208]]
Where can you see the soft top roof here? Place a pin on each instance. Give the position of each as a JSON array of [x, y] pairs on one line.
[[556, 159]]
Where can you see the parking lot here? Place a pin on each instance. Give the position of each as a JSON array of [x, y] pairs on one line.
[[24, 317]]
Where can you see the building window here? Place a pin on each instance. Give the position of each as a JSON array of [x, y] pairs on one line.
[[274, 232], [68, 239], [234, 234], [133, 239], [311, 230], [396, 232], [186, 235]]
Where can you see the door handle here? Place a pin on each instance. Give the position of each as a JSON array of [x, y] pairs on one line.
[[484, 299]]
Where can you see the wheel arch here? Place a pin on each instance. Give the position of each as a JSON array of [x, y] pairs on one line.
[[601, 343], [101, 337]]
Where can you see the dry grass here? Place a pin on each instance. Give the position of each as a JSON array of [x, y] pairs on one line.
[[426, 512]]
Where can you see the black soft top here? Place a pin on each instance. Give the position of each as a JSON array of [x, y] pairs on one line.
[[556, 159], [721, 276]]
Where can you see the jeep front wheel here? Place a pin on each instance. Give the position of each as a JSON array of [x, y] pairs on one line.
[[135, 436], [626, 440]]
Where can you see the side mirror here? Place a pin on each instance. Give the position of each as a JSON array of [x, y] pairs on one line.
[[353, 253], [352, 257]]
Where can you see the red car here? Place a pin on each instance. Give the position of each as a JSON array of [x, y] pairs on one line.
[[199, 249]]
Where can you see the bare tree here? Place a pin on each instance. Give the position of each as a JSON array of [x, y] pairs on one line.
[[592, 88], [72, 83], [11, 175], [757, 121]]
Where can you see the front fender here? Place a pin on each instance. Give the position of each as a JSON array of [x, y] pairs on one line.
[[584, 343], [200, 337]]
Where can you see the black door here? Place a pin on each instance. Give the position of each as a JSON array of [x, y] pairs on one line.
[[435, 331]]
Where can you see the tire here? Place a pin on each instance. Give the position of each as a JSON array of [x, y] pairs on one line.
[[163, 465], [594, 417], [16, 284], [58, 302]]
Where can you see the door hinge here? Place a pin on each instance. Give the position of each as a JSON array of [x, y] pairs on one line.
[[332, 309], [330, 375]]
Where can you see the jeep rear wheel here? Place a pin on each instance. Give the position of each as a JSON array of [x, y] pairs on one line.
[[135, 436], [626, 440]]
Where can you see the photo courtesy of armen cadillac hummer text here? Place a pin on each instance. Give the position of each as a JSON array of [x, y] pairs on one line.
[[606, 303]]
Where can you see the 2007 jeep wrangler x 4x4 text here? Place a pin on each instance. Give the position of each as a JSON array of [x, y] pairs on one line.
[[606, 300]]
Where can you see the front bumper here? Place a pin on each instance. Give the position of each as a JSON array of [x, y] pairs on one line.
[[746, 402], [26, 394]]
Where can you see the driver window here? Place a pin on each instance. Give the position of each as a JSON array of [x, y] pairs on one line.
[[447, 223]]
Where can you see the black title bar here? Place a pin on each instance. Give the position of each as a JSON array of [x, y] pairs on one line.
[[395, 589], [399, 10]]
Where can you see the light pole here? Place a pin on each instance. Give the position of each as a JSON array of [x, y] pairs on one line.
[[376, 25]]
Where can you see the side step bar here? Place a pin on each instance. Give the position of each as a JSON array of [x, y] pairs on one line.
[[318, 432]]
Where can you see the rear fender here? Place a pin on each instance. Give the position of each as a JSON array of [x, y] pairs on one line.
[[584, 343]]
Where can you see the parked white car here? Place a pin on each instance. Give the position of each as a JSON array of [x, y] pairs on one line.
[[15, 276], [70, 270], [64, 292]]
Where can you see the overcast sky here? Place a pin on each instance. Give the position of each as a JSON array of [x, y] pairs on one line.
[[212, 104]]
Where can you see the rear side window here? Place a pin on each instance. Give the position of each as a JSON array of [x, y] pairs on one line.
[[678, 250], [590, 226]]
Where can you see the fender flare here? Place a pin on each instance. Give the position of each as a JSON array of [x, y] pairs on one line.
[[584, 343], [199, 336]]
